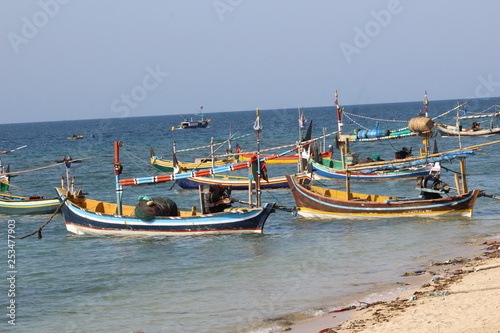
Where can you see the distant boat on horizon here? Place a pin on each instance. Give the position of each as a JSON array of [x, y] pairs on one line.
[[202, 122]]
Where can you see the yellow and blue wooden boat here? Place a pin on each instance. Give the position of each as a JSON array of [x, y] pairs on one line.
[[17, 205]]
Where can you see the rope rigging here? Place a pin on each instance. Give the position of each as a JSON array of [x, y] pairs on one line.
[[208, 146], [376, 119]]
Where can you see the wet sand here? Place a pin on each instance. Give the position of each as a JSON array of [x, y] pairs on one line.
[[457, 295]]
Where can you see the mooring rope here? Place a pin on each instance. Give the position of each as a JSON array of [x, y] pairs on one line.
[[39, 230]]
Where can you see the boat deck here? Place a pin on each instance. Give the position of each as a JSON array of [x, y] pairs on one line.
[[334, 194]]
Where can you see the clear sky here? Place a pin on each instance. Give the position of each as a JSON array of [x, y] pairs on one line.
[[83, 59]]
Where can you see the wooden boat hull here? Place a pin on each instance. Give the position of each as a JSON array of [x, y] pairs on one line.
[[286, 159], [323, 171], [92, 217], [164, 165], [16, 205], [449, 130], [317, 202], [236, 183]]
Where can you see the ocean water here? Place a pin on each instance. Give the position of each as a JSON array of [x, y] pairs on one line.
[[222, 283]]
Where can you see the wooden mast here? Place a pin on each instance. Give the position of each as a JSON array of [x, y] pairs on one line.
[[118, 170], [258, 129], [344, 139], [343, 147]]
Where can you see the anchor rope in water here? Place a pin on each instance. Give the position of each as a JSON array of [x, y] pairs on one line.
[[39, 230]]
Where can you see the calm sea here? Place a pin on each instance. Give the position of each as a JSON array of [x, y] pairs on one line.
[[225, 283]]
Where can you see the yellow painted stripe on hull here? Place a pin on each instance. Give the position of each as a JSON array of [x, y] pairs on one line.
[[314, 211]]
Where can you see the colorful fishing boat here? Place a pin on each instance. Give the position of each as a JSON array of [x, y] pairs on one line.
[[94, 217], [434, 199], [236, 183], [377, 134], [164, 165], [481, 124], [17, 205], [286, 159], [174, 165], [335, 170], [202, 122], [340, 169], [450, 130], [75, 137], [160, 216], [319, 202]]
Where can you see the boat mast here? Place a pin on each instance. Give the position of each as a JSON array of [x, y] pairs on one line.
[[212, 157], [344, 140], [258, 130], [118, 170], [302, 124], [229, 147], [426, 150], [459, 125], [426, 102], [339, 111], [70, 181]]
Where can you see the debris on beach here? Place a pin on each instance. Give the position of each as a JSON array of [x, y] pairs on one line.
[[491, 246], [451, 262], [413, 273], [352, 307]]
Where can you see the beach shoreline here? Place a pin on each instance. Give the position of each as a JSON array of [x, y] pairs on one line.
[[429, 299]]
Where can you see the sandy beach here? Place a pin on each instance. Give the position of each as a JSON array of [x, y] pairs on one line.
[[457, 295]]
